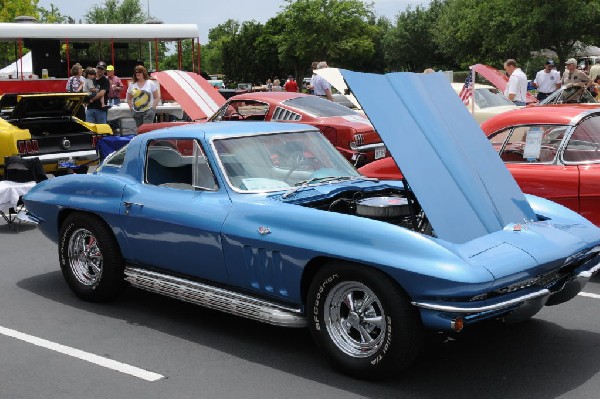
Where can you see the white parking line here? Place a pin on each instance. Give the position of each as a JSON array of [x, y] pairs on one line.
[[88, 357], [590, 295]]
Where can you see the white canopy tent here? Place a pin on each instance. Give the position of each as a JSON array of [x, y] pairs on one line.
[[13, 71]]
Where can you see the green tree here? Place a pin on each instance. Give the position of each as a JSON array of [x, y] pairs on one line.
[[409, 45], [53, 16], [240, 62], [212, 52], [338, 31], [474, 31], [115, 12], [9, 9]]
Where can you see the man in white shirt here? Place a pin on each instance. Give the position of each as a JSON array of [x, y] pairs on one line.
[[320, 86], [516, 89], [547, 80]]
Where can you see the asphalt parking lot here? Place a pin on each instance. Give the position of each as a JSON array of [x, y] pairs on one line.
[[53, 345]]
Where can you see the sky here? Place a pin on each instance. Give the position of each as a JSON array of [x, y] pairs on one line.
[[208, 14]]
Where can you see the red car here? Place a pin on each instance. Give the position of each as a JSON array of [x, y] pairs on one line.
[[350, 131], [551, 151]]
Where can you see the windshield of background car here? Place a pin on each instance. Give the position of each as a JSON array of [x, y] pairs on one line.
[[490, 97], [584, 144], [242, 110], [531, 143], [318, 106], [274, 162], [571, 95]]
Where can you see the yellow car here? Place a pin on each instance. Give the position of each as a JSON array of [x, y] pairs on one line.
[[45, 126]]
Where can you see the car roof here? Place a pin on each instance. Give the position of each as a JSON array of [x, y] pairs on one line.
[[271, 95], [225, 128], [562, 114]]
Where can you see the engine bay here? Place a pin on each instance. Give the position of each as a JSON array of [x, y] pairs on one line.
[[395, 206]]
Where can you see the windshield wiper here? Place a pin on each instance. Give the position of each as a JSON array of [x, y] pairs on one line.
[[324, 179]]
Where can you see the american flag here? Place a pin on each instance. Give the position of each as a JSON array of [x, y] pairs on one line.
[[467, 90]]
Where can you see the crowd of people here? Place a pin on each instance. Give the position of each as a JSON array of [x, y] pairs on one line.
[[548, 80], [104, 88], [317, 85]]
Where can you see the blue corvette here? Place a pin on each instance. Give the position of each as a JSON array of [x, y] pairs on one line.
[[268, 221]]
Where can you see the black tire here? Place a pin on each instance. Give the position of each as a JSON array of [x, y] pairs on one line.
[[394, 327], [90, 258]]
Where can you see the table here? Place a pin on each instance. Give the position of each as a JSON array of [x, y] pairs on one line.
[[121, 120], [122, 111]]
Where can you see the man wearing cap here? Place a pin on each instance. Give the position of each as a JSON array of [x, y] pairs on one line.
[[547, 80], [516, 88], [573, 76], [114, 92], [96, 110]]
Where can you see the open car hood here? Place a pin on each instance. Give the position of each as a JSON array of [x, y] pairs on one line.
[[498, 79], [458, 178], [46, 105], [198, 98]]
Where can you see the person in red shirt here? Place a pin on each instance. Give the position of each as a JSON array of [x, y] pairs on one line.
[[291, 85]]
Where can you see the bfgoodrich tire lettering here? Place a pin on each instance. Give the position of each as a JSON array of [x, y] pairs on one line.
[[90, 258], [362, 320]]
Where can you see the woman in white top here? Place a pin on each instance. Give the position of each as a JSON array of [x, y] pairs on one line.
[[142, 97]]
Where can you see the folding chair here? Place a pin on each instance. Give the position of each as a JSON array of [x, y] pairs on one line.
[[21, 170]]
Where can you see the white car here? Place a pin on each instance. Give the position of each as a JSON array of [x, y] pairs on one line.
[[489, 101]]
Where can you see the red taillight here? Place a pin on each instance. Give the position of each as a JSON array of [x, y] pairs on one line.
[[28, 146], [95, 140]]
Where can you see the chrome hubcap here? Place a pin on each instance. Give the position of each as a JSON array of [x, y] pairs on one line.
[[85, 257], [355, 319]]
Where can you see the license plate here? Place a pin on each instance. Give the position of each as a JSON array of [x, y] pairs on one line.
[[65, 163], [380, 153]]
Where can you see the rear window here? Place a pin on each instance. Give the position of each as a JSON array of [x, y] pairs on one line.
[[318, 106]]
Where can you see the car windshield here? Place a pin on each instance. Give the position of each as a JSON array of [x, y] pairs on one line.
[[274, 162], [571, 95], [490, 97], [318, 106]]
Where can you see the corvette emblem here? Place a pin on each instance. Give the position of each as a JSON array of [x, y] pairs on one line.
[[262, 230]]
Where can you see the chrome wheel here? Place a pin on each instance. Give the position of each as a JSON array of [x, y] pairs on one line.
[[355, 319], [84, 257]]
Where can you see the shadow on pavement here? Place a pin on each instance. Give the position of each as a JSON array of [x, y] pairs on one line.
[[534, 359]]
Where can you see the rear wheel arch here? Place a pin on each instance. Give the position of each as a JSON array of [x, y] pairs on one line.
[[315, 264]]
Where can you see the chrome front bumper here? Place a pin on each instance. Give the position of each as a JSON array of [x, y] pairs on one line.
[[367, 147], [438, 315]]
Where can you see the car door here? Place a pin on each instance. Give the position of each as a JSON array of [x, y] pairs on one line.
[[583, 151], [530, 153], [174, 218]]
